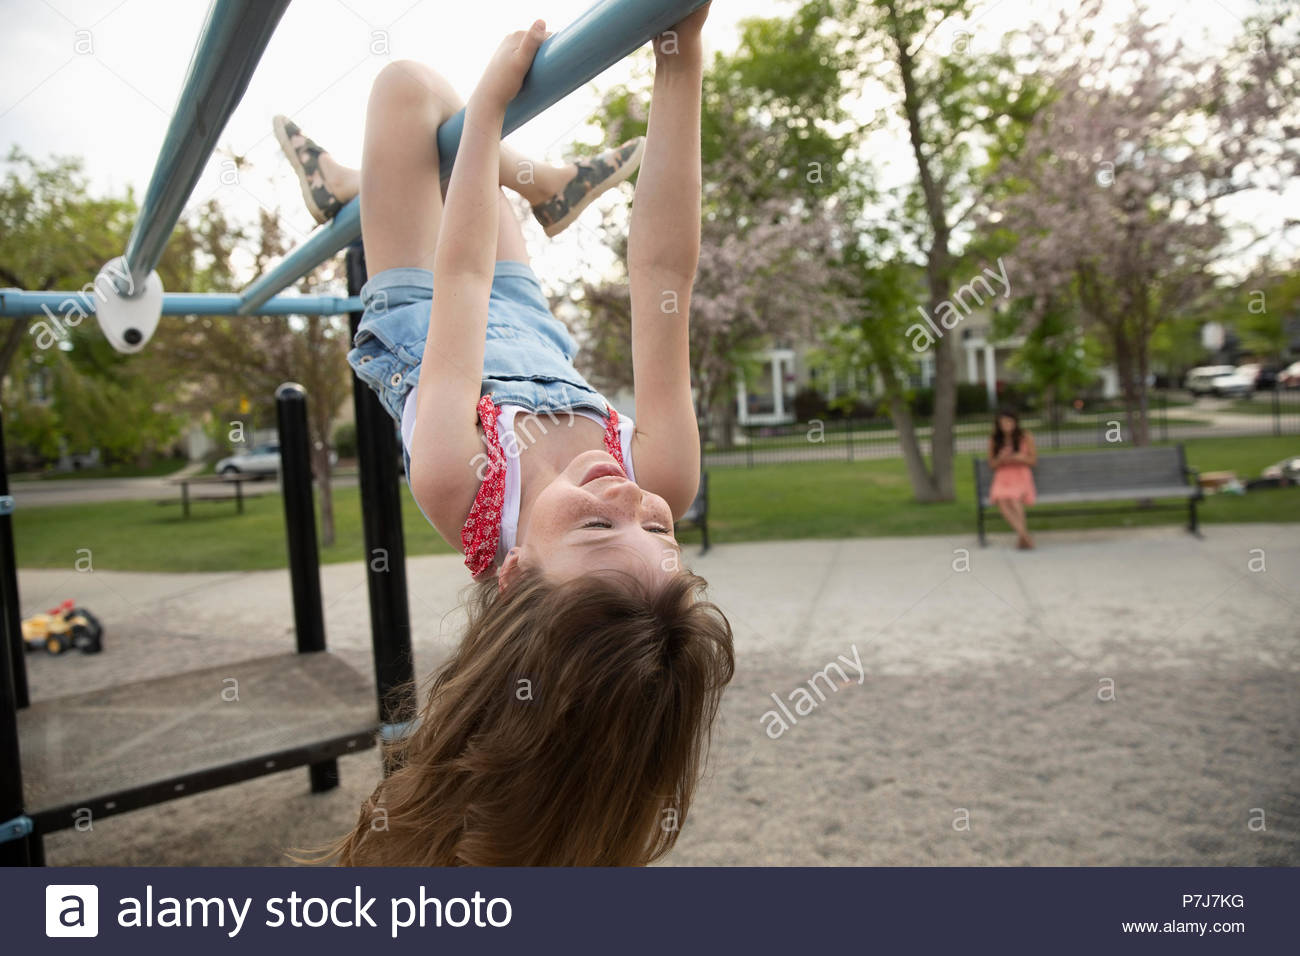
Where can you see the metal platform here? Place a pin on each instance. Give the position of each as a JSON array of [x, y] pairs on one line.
[[134, 745]]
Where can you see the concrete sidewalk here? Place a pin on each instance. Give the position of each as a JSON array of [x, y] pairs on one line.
[[1118, 696]]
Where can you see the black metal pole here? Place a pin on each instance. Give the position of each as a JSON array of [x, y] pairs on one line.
[[300, 528], [13, 851], [381, 515], [12, 624]]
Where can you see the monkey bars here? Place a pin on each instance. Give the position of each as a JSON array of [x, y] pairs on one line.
[[74, 304], [128, 300], [230, 45], [593, 43]]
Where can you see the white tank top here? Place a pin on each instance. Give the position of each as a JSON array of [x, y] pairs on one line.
[[511, 446]]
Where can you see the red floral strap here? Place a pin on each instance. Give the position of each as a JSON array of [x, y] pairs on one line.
[[481, 533], [482, 529], [613, 441]]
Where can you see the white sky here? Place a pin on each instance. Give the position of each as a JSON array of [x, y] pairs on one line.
[[112, 102]]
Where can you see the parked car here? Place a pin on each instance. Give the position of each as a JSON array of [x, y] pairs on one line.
[[1237, 384], [1289, 377], [259, 460], [1267, 378], [1200, 381]]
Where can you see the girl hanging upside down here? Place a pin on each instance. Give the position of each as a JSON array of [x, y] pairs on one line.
[[571, 725]]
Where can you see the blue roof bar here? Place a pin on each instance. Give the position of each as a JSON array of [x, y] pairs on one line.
[[67, 308], [598, 39], [233, 38], [343, 229]]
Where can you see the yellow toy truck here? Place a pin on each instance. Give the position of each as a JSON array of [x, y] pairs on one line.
[[62, 628]]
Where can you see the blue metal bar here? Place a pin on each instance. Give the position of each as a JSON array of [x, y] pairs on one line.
[[229, 46], [19, 827], [587, 47], [343, 229], [69, 308], [593, 43]]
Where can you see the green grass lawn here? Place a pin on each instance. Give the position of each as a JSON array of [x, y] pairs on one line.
[[148, 536], [841, 499], [801, 500]]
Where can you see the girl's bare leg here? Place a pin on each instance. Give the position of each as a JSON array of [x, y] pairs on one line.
[[1014, 515], [1025, 539], [534, 180], [399, 171]]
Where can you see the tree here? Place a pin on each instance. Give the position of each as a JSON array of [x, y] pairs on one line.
[[1266, 308], [1116, 196], [53, 235], [64, 387], [1058, 358], [232, 359], [1176, 346], [961, 111], [771, 167]]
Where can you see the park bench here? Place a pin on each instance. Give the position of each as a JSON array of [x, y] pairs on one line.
[[208, 481], [698, 513], [1122, 474]]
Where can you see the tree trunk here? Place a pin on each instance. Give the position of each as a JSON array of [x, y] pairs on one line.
[[923, 484], [12, 340], [945, 404], [939, 482], [1124, 368], [724, 418], [1143, 434]]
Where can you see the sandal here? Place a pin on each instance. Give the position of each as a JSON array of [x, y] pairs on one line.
[[305, 159], [595, 175]]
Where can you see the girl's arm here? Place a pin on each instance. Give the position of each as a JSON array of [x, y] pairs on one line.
[[663, 252], [1028, 453], [445, 443]]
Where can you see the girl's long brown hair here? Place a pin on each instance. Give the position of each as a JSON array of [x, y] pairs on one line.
[[998, 438], [569, 728]]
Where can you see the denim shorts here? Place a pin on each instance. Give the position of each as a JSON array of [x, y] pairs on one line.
[[528, 355]]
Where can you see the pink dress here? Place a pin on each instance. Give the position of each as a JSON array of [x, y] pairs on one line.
[[1013, 482]]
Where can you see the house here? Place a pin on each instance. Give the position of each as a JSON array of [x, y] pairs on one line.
[[778, 373]]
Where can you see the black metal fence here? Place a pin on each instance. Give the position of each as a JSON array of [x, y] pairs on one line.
[[1172, 416]]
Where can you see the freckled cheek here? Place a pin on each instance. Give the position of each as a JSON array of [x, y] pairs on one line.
[[559, 509], [663, 514]]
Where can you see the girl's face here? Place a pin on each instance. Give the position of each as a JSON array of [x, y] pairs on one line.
[[592, 517], [1006, 424]]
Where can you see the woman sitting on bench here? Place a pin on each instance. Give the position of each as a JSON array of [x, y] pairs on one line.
[[1012, 457]]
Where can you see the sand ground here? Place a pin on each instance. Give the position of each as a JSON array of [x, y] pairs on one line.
[[1121, 696]]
